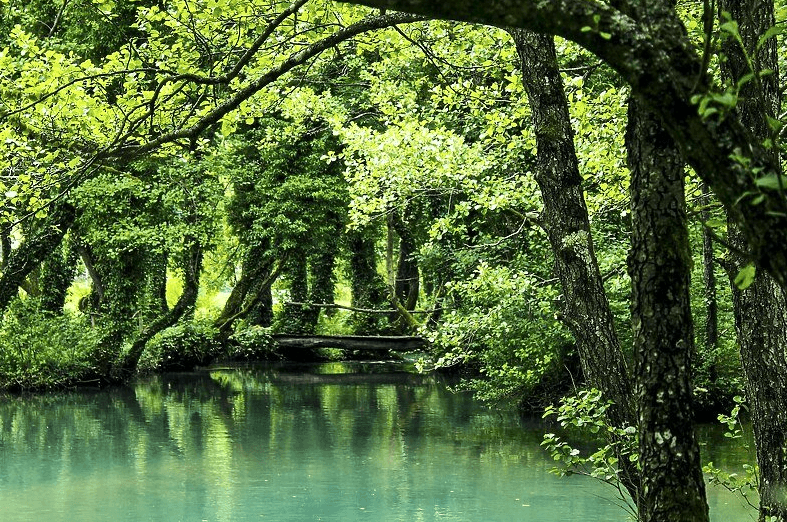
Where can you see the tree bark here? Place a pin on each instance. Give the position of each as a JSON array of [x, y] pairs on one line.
[[32, 252], [5, 247], [407, 283], [760, 310], [673, 488], [97, 289], [294, 317], [565, 219], [321, 282], [157, 283], [57, 274]]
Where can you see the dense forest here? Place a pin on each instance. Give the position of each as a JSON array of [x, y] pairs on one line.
[[559, 196]]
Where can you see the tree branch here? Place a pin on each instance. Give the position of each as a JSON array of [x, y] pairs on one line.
[[665, 72]]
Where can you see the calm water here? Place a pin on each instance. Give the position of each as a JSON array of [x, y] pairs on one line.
[[292, 444]]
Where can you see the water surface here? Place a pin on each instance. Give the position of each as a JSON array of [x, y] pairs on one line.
[[293, 443]]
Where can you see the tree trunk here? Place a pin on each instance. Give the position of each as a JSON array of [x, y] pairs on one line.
[[91, 302], [29, 255], [368, 288], [5, 247], [709, 277], [565, 217], [157, 284], [760, 310], [673, 488], [292, 318], [407, 284], [184, 307], [321, 283], [254, 284], [57, 274]]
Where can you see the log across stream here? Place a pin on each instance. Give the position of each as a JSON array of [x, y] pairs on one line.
[[352, 342]]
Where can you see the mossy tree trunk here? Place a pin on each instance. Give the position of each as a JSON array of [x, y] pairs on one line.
[[407, 282], [251, 296], [367, 286], [709, 276], [184, 308], [760, 310], [565, 219], [673, 488], [5, 247], [57, 274], [156, 285], [293, 316], [34, 250], [321, 283]]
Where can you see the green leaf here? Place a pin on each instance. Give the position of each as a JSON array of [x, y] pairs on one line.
[[746, 78], [774, 124], [745, 277], [730, 27], [715, 223], [772, 182], [770, 33]]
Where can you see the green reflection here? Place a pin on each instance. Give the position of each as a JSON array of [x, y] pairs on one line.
[[334, 442]]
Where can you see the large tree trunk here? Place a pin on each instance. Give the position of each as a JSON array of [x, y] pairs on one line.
[[293, 316], [321, 283], [760, 310], [29, 255], [90, 303], [673, 488], [5, 246], [156, 285], [565, 217], [407, 284], [251, 296]]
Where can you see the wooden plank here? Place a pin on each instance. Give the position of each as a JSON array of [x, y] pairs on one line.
[[352, 342]]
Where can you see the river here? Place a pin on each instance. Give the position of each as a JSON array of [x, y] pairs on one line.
[[333, 442]]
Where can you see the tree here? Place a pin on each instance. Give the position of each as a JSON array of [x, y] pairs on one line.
[[668, 76], [565, 218], [151, 107], [673, 487], [760, 309]]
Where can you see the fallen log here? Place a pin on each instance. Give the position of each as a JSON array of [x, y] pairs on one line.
[[352, 342]]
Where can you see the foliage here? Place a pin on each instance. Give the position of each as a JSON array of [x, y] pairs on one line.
[[251, 343], [745, 485], [506, 327], [181, 347], [42, 350], [582, 414]]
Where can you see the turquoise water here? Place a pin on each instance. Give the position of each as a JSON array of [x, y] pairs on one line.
[[330, 442]]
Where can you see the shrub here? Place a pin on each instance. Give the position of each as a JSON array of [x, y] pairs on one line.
[[250, 343], [506, 327], [181, 347], [42, 350]]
